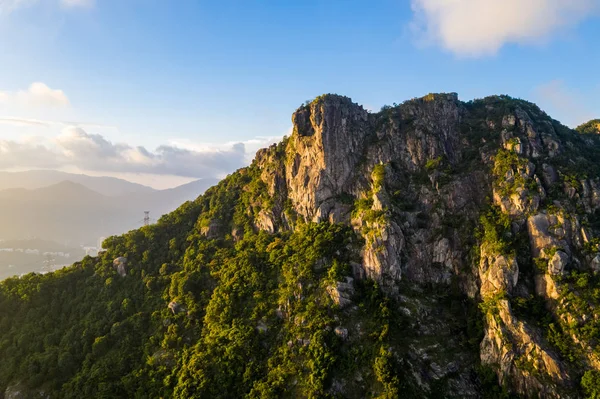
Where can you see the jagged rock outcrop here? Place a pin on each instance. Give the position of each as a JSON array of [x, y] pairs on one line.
[[517, 349], [522, 360], [413, 179], [341, 292], [322, 155], [336, 143], [498, 273]]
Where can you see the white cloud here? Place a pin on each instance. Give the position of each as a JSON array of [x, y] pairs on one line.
[[27, 154], [20, 122], [74, 148], [251, 146], [482, 27], [37, 95], [8, 6], [77, 148], [77, 3], [24, 122]]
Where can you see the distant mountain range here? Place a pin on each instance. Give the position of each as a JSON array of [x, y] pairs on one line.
[[80, 209], [33, 179]]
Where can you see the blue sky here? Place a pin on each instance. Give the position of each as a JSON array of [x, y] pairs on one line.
[[162, 92]]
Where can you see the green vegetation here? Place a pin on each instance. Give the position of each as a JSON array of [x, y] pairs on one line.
[[591, 384], [363, 207], [510, 171], [378, 176], [579, 298], [495, 231], [254, 318], [590, 127], [432, 164], [113, 336]]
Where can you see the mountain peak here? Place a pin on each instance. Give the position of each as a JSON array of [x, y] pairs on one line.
[[68, 187], [463, 236]]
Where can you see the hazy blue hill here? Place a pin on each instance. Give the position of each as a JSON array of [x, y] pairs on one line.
[[73, 213], [33, 179]]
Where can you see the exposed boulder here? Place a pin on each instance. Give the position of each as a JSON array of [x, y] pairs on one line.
[[15, 392], [521, 201], [539, 236], [261, 327], [545, 286], [265, 221], [596, 264], [212, 230], [341, 293], [176, 307], [558, 262], [442, 253], [120, 264], [382, 252], [341, 332], [549, 174], [19, 391], [498, 273]]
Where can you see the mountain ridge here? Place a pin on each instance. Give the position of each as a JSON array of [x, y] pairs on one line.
[[72, 212], [32, 179], [437, 248]]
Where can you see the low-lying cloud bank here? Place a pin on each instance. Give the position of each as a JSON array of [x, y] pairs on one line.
[[75, 147]]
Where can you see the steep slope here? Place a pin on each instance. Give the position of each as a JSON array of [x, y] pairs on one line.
[[433, 249]]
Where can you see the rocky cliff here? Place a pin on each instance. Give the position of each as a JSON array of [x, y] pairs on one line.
[[437, 248], [417, 180]]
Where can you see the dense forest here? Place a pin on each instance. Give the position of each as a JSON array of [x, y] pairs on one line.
[[422, 271], [87, 332]]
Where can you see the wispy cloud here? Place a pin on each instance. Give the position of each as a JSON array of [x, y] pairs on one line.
[[564, 102], [15, 121], [482, 27], [25, 122], [251, 146], [8, 6], [78, 3], [38, 94]]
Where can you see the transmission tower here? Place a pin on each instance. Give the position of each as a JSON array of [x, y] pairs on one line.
[[146, 218]]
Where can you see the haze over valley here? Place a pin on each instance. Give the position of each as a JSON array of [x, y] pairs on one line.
[[316, 199], [46, 213]]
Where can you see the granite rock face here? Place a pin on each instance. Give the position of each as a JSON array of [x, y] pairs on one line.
[[323, 155], [414, 180], [341, 292]]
